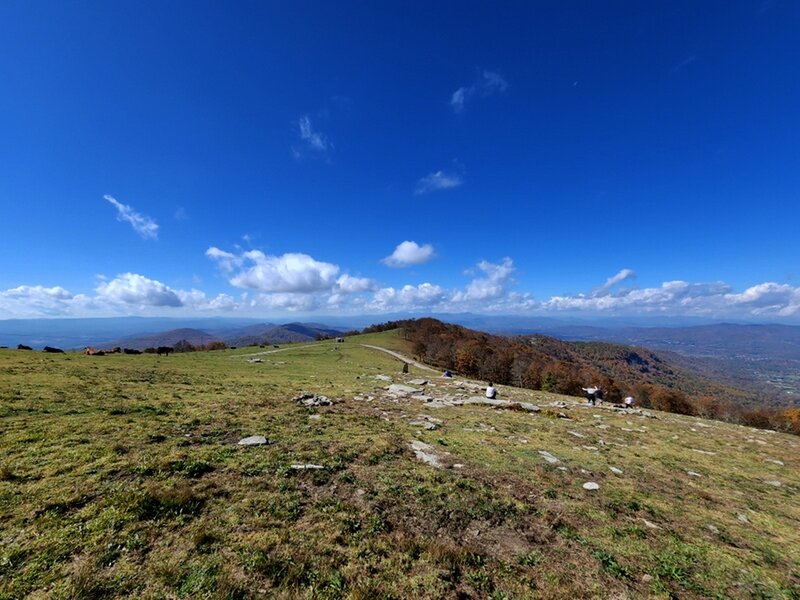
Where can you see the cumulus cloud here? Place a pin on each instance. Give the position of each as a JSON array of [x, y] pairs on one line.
[[409, 253], [290, 302], [494, 283], [314, 139], [289, 273], [408, 297], [486, 84], [143, 225], [130, 288], [226, 260], [353, 285]]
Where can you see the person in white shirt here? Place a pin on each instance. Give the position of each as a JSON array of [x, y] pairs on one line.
[[490, 391], [629, 402]]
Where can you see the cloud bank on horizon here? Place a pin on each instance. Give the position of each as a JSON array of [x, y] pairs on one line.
[[296, 283]]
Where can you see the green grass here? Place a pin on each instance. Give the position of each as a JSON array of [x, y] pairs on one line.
[[120, 476]]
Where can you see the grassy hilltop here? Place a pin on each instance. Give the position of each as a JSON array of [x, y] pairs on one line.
[[121, 476]]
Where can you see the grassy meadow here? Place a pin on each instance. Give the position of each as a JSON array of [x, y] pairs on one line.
[[121, 476]]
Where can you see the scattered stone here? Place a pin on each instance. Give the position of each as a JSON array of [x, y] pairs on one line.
[[305, 467], [592, 448], [458, 466], [713, 529], [774, 483], [255, 360], [576, 434], [591, 485], [616, 471], [315, 417], [742, 518], [704, 452], [699, 424], [253, 440], [488, 401], [307, 399], [777, 462], [382, 378], [402, 390], [561, 468], [418, 382], [549, 457], [693, 474], [423, 398], [647, 578], [649, 524], [603, 426], [527, 406], [425, 453]]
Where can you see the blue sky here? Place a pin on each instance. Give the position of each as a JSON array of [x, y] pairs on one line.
[[309, 158]]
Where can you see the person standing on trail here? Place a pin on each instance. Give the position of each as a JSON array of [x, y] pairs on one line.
[[491, 393], [590, 394]]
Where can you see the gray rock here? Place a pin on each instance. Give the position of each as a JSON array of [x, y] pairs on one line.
[[307, 399], [305, 467], [418, 382], [693, 474], [487, 401], [253, 440], [527, 406], [713, 529], [382, 378], [616, 471], [426, 454], [742, 518], [549, 457], [402, 390], [591, 485], [774, 483]]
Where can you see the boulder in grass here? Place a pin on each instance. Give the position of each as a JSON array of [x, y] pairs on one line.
[[253, 440]]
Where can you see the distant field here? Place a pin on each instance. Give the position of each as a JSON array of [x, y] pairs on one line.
[[121, 476]]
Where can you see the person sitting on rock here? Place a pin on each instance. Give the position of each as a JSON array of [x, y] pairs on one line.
[[447, 373], [491, 393], [598, 395], [629, 402]]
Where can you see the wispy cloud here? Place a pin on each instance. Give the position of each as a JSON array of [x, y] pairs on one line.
[[437, 181], [409, 253], [486, 84], [684, 63], [612, 281], [143, 225], [314, 139]]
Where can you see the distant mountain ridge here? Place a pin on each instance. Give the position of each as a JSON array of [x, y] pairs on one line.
[[260, 333]]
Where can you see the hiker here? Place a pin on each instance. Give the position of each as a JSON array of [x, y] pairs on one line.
[[590, 394], [491, 393], [629, 402], [598, 395], [405, 367], [447, 373]]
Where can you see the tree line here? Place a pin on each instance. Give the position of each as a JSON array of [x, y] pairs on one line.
[[547, 364]]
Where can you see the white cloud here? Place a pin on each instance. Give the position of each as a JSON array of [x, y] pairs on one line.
[[437, 181], [289, 273], [130, 288], [612, 281], [353, 285], [493, 285], [226, 261], [315, 140], [409, 253], [408, 297], [290, 302], [143, 225], [486, 84]]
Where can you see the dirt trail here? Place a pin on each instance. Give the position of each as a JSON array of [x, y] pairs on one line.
[[410, 361]]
